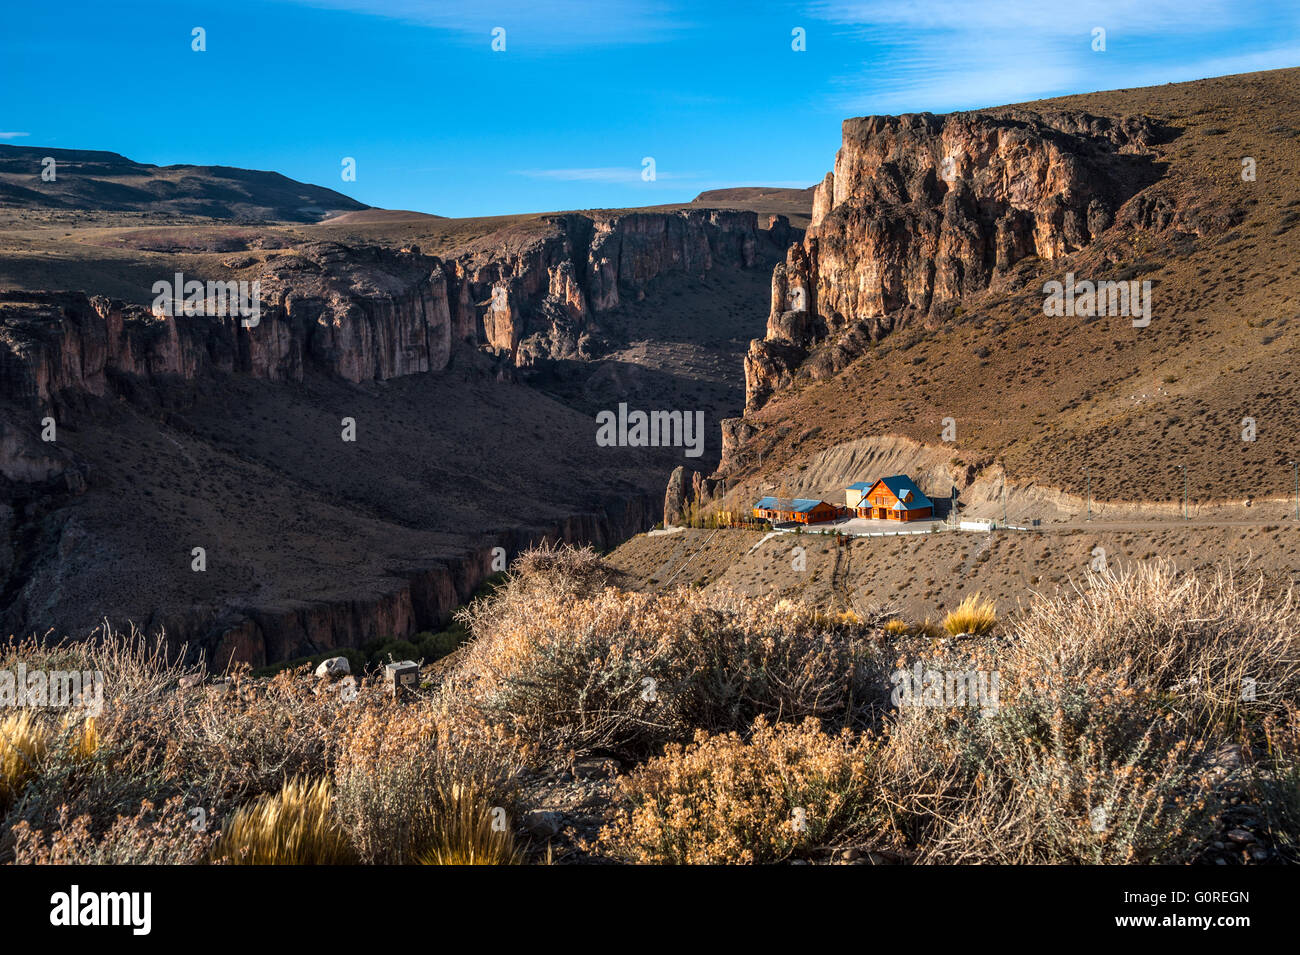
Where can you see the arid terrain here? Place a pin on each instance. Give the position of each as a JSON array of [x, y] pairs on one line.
[[471, 355], [900, 338], [367, 586]]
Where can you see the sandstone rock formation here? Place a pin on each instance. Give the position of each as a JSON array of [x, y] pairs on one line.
[[921, 210]]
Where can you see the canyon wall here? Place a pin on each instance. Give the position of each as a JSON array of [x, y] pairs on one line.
[[354, 313], [423, 600], [370, 313], [921, 210]]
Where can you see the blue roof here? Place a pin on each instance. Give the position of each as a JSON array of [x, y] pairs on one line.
[[860, 486], [900, 484], [800, 504]]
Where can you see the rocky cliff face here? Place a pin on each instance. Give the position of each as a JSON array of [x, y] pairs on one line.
[[540, 299], [356, 313], [921, 210], [368, 313], [423, 600]]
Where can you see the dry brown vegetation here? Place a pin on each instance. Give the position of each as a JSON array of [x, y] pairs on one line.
[[1126, 722]]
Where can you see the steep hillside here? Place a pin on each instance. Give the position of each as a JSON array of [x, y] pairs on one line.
[[915, 305]]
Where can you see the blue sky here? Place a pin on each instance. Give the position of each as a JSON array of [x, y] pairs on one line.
[[583, 92]]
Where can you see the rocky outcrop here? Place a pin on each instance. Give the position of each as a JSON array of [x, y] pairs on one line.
[[921, 210], [677, 496], [540, 297], [361, 314]]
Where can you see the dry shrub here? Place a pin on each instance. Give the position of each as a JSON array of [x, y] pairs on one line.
[[151, 837], [789, 790], [1086, 775], [248, 740], [1275, 782], [625, 672], [469, 830], [975, 615], [1200, 643], [574, 569], [295, 826], [400, 774]]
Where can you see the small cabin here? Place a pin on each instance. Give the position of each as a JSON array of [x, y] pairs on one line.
[[798, 510], [891, 499]]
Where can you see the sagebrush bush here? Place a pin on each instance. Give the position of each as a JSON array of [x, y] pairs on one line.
[[616, 671], [153, 836], [1083, 775], [399, 765], [786, 791], [1212, 649], [1275, 781]]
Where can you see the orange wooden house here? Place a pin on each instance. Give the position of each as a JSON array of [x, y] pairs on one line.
[[889, 499], [799, 510]]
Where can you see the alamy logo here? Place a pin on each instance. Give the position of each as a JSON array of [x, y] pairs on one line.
[[655, 429], [216, 299], [942, 688], [1098, 299], [53, 688], [74, 907]]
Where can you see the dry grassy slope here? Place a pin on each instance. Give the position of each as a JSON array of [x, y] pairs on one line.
[[927, 575], [1050, 395]]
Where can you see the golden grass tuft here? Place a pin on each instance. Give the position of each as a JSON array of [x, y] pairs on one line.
[[292, 827], [469, 831], [84, 738], [975, 615], [23, 743]]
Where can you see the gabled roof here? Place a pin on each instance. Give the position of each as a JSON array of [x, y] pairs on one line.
[[901, 486], [801, 504]]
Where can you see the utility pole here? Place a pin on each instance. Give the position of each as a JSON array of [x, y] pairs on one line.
[[1004, 499], [1183, 468], [1088, 475]]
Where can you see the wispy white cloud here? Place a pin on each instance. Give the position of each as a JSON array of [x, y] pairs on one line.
[[13, 135], [961, 55], [531, 24]]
